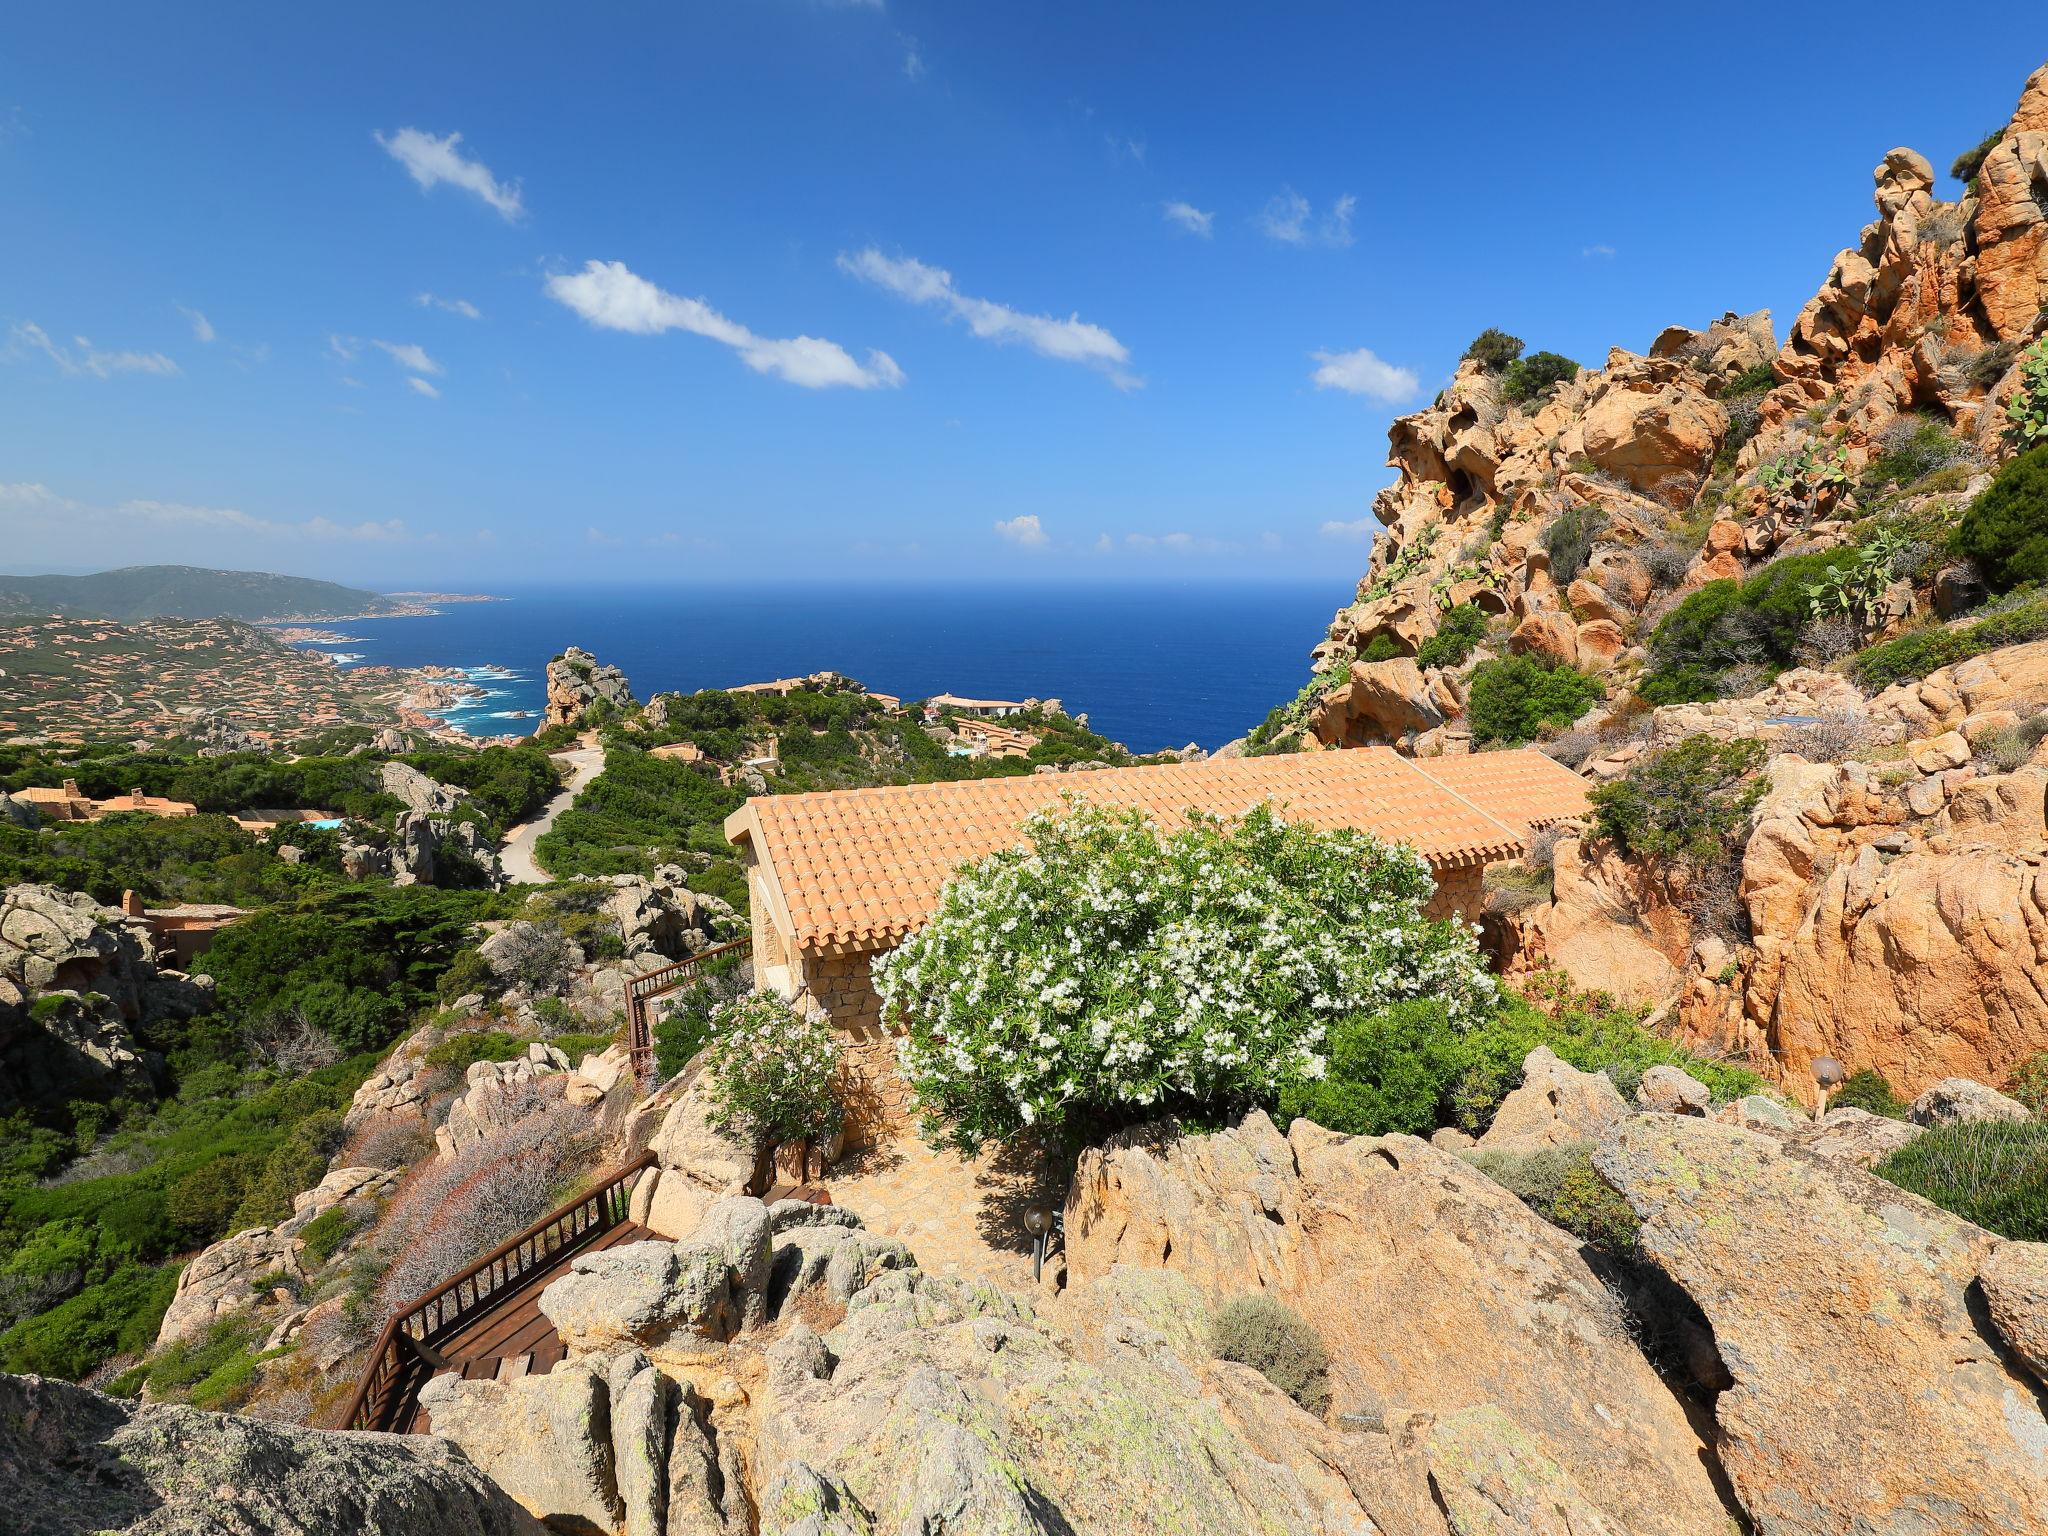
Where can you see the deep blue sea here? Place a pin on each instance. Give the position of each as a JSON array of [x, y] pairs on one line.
[[1152, 666]]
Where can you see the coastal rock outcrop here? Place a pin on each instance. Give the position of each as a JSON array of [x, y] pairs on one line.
[[577, 683], [73, 1460]]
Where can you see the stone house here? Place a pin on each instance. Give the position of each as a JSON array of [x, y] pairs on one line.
[[836, 878]]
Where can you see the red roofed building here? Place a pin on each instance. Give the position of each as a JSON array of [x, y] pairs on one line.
[[833, 879]]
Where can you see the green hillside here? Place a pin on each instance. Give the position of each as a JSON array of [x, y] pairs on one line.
[[188, 592]]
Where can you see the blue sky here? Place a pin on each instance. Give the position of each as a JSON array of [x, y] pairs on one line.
[[871, 288]]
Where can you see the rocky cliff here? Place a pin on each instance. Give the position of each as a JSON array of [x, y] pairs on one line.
[[1573, 518], [577, 684]]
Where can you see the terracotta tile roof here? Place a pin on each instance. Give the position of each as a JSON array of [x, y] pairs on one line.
[[1527, 790], [856, 870]]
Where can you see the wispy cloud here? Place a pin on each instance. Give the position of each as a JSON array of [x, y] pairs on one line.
[[1122, 144], [1177, 543], [421, 387], [202, 328], [461, 307], [1190, 218], [36, 511], [1290, 219], [1357, 528], [409, 355], [86, 359], [1599, 252], [1072, 340], [1024, 531], [1361, 372], [613, 298], [913, 57], [431, 161], [601, 538]]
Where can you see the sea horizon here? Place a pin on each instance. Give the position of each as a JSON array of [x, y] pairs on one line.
[[1155, 665]]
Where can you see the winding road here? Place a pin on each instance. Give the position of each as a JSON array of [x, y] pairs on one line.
[[516, 857]]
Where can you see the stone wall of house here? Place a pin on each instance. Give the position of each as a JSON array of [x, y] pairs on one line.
[[877, 1098], [1460, 892]]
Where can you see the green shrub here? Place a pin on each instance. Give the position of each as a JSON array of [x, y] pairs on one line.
[[1277, 1342], [1382, 647], [458, 1053], [1458, 630], [1753, 622], [576, 1044], [1560, 1184], [2029, 1083], [468, 972], [2005, 530], [1971, 161], [120, 1315], [204, 1201], [1531, 376], [1868, 1089], [325, 1233], [1759, 378], [1515, 698], [1409, 1068], [1928, 650], [1570, 539], [1109, 972], [1686, 803], [685, 1025], [1493, 349], [1992, 1173]]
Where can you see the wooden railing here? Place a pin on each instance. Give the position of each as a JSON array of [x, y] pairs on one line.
[[642, 990], [405, 1354]]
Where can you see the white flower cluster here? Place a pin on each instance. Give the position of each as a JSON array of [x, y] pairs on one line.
[[773, 1071], [1106, 968]]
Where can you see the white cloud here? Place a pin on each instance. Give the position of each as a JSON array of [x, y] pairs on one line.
[[87, 359], [1601, 251], [1072, 340], [613, 298], [343, 349], [431, 161], [1121, 144], [461, 307], [913, 57], [1023, 531], [1360, 372], [1191, 219], [602, 539], [1358, 528], [422, 387], [202, 328], [148, 527], [1290, 219], [410, 356]]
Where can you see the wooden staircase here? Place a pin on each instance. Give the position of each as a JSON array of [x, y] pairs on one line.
[[486, 1322]]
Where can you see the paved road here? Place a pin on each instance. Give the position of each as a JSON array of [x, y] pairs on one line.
[[516, 857]]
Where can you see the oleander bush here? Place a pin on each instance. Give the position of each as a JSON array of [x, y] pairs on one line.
[[1110, 972], [1277, 1342], [1993, 1173], [773, 1072]]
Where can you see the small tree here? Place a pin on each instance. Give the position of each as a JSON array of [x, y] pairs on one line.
[[1531, 376], [2006, 529], [538, 957], [1685, 804], [1511, 698], [773, 1073], [1108, 973], [1493, 349]]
